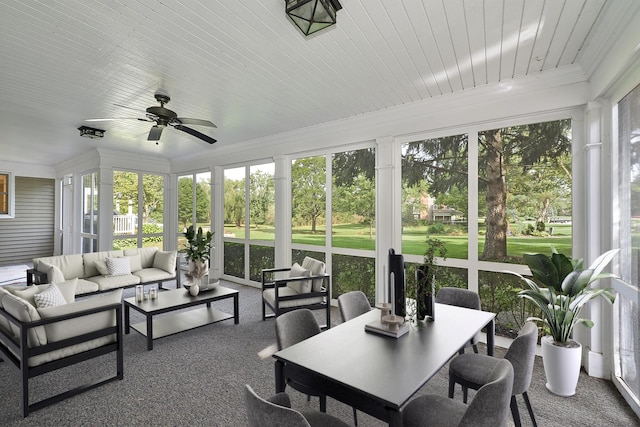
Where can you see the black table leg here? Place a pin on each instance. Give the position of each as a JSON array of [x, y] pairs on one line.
[[127, 326], [236, 309], [149, 332], [280, 380], [491, 332]]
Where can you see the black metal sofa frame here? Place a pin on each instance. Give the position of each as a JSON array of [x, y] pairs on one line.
[[18, 353]]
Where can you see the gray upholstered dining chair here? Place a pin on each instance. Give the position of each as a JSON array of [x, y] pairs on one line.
[[489, 406], [353, 304], [473, 370], [462, 298], [276, 412], [291, 328]]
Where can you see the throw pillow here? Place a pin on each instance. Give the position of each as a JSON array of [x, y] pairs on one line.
[[101, 266], [300, 286], [118, 266], [136, 263], [50, 297], [68, 289], [54, 274], [165, 260], [317, 268], [27, 294]]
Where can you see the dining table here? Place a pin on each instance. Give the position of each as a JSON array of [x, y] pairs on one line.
[[379, 374]]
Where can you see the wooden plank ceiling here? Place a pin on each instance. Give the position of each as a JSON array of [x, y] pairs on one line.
[[244, 66]]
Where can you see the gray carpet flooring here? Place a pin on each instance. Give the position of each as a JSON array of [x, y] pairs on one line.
[[197, 377]]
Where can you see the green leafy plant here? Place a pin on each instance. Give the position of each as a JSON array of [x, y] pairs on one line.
[[561, 288], [198, 247]]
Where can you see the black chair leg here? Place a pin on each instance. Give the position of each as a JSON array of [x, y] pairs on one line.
[[514, 412], [465, 393], [355, 417], [323, 403], [529, 408], [452, 387]]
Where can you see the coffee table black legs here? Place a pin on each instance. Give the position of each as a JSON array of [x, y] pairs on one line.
[[236, 309], [149, 332]]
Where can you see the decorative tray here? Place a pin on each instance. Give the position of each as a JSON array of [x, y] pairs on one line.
[[203, 288]]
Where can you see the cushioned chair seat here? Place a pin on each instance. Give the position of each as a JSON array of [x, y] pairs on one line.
[[269, 295], [433, 410]]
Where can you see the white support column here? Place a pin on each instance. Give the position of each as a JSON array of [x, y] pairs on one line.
[[217, 222], [105, 203], [591, 339], [388, 211], [170, 218], [283, 211]]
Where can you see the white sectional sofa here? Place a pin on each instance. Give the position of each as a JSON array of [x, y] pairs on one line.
[[107, 270]]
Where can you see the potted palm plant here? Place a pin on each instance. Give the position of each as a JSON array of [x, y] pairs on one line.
[[560, 289], [197, 251]]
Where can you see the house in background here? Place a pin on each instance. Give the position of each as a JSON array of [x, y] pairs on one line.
[[387, 74]]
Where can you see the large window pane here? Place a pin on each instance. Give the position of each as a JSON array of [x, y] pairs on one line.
[[435, 194], [260, 257], [152, 210], [234, 202], [524, 200], [125, 203], [353, 273], [234, 259], [629, 196], [309, 200], [262, 202], [353, 207]]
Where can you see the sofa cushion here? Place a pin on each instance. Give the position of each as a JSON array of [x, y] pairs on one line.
[[50, 297], [101, 266], [54, 274], [153, 275], [135, 261], [90, 259], [70, 265], [4, 323], [165, 260], [118, 266], [25, 312], [87, 286], [317, 268], [146, 255], [28, 293], [300, 286], [112, 282], [68, 289]]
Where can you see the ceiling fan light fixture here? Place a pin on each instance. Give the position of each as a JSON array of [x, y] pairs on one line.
[[89, 132], [311, 16]]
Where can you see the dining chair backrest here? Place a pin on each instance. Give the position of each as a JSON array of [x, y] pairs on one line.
[[521, 354], [459, 297], [263, 413], [490, 405], [353, 304], [295, 326]]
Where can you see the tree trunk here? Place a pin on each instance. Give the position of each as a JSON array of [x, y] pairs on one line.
[[313, 224], [495, 246]]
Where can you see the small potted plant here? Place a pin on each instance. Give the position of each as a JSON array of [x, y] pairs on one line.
[[560, 288], [197, 251], [425, 279]]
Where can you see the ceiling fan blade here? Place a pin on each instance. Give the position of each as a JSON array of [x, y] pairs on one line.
[[115, 118], [195, 133], [155, 133], [129, 108], [199, 122]]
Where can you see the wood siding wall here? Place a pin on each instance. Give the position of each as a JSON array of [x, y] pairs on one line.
[[30, 233]]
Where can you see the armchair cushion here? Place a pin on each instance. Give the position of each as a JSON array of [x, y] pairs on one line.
[[269, 296], [317, 268], [300, 286], [54, 274], [25, 312]]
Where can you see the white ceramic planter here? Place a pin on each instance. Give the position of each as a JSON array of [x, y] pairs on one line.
[[561, 365]]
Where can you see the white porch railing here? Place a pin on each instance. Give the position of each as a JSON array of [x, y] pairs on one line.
[[125, 224]]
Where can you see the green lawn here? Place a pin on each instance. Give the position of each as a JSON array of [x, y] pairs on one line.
[[356, 236]]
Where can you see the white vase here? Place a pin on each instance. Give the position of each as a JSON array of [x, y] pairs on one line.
[[204, 267], [194, 289], [561, 365]]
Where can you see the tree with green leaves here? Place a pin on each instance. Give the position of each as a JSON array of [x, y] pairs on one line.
[[308, 181], [261, 203], [185, 201], [234, 201], [359, 199]]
